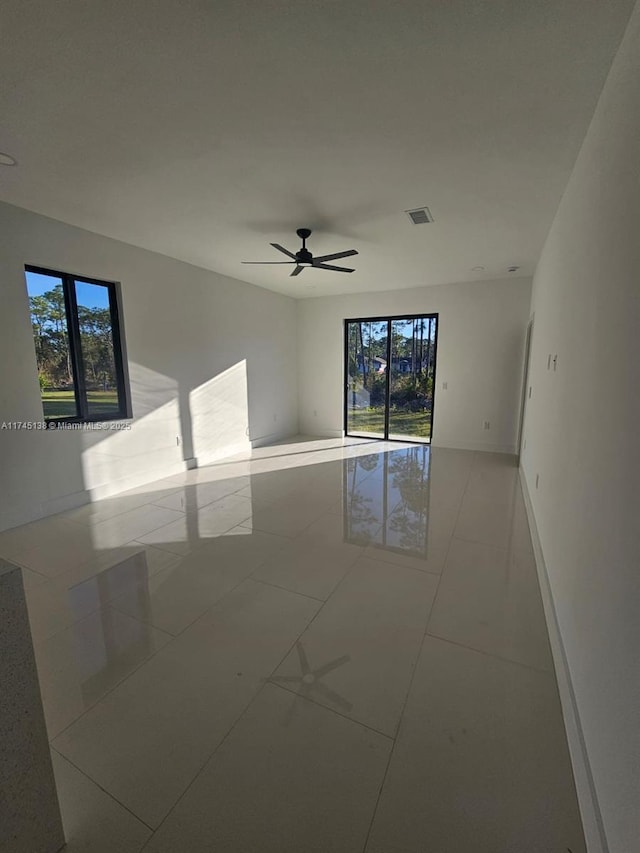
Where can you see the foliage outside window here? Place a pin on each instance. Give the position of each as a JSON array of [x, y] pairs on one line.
[[76, 333]]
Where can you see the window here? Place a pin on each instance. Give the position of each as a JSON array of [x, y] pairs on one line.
[[390, 368], [76, 331]]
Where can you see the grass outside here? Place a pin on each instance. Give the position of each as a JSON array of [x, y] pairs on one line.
[[400, 423], [62, 404]]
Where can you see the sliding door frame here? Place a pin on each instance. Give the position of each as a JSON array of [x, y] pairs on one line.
[[388, 320]]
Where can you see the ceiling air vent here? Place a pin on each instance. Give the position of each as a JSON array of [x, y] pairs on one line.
[[420, 216]]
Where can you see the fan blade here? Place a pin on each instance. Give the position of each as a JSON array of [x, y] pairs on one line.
[[268, 262], [297, 271], [327, 267], [282, 249], [335, 257]]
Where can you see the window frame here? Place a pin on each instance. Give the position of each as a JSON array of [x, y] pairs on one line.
[[389, 319], [83, 415]]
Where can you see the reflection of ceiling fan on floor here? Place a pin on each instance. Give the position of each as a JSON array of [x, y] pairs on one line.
[[304, 258]]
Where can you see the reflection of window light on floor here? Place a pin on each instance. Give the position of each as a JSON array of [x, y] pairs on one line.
[[386, 500], [244, 530]]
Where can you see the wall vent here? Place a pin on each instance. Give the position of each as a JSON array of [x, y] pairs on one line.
[[420, 216]]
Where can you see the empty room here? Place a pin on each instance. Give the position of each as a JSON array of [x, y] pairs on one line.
[[319, 331]]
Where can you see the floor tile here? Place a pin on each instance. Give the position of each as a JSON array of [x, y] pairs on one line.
[[489, 599], [222, 515], [175, 597], [191, 530], [99, 561], [49, 550], [333, 528], [357, 656], [496, 482], [179, 537], [133, 524], [156, 559], [449, 473], [61, 602], [227, 654], [47, 532], [418, 542], [481, 762], [146, 740], [32, 579], [266, 488], [93, 821], [201, 494], [52, 610], [94, 513], [290, 777], [125, 575], [499, 523], [287, 516], [309, 566], [79, 665]]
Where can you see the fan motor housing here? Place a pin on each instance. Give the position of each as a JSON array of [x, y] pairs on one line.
[[304, 255]]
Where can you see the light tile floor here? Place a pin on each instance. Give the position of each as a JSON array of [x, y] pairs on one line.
[[331, 646]]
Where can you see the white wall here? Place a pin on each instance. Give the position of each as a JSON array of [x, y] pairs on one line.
[[582, 440], [481, 334], [209, 357]]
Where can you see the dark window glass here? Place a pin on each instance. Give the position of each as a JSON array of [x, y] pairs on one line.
[[98, 353]]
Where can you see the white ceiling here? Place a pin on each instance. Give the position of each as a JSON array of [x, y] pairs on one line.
[[206, 129]]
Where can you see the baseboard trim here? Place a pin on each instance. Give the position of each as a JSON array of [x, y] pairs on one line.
[[114, 488], [592, 823], [271, 437], [321, 432], [474, 445]]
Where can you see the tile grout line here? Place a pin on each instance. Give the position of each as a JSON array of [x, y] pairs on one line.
[[330, 710], [402, 565], [283, 588], [246, 708], [89, 524], [507, 551], [489, 654], [412, 678], [238, 718], [104, 790], [260, 689], [172, 637], [452, 537], [203, 506], [244, 711], [118, 683], [147, 660], [210, 757]]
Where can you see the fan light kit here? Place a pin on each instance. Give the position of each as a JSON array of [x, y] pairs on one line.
[[303, 258]]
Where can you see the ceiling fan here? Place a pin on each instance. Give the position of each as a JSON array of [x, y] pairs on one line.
[[304, 258]]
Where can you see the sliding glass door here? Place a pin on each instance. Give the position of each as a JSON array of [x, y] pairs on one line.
[[367, 385], [390, 365]]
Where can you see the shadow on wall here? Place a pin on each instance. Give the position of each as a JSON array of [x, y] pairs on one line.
[[219, 415], [172, 425]]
